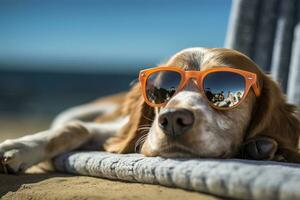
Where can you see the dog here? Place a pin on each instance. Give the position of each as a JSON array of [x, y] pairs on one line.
[[179, 122]]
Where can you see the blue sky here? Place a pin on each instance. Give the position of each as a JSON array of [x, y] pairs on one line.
[[82, 34]]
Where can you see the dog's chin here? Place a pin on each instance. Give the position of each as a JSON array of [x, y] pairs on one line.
[[176, 151], [169, 151], [176, 154]]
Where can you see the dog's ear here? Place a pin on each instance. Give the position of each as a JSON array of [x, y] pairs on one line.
[[273, 117], [140, 118]]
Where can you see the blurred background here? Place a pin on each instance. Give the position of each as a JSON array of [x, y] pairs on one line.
[[55, 54]]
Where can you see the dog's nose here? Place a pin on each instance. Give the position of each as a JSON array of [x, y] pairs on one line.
[[175, 122]]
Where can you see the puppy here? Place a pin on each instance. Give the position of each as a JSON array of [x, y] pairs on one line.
[[172, 114]]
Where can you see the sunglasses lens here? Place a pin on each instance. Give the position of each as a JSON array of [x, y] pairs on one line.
[[161, 86], [224, 89]]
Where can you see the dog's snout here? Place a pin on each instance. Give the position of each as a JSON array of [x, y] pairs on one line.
[[175, 122]]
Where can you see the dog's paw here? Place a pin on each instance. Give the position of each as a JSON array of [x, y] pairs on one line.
[[261, 148], [15, 156]]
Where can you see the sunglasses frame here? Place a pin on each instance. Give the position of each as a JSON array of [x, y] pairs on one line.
[[249, 78]]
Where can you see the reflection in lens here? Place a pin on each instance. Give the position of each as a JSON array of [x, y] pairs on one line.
[[224, 89], [161, 86]]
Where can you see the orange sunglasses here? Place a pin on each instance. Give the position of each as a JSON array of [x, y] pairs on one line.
[[224, 87]]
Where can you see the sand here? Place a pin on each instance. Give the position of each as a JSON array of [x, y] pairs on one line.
[[62, 186]]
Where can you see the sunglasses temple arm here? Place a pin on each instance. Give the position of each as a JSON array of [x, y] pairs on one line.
[[256, 89]]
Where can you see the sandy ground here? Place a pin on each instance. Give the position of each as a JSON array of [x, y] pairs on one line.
[[60, 186], [64, 186]]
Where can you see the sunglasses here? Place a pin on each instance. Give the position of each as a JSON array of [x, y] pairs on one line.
[[223, 87]]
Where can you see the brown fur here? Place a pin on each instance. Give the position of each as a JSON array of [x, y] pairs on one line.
[[275, 118], [73, 135], [140, 114]]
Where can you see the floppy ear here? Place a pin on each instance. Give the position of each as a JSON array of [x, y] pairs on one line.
[[276, 119], [140, 117]]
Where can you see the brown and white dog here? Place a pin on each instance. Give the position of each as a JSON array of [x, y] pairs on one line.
[[263, 128]]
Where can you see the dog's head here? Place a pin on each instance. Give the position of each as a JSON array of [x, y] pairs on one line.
[[188, 126]]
